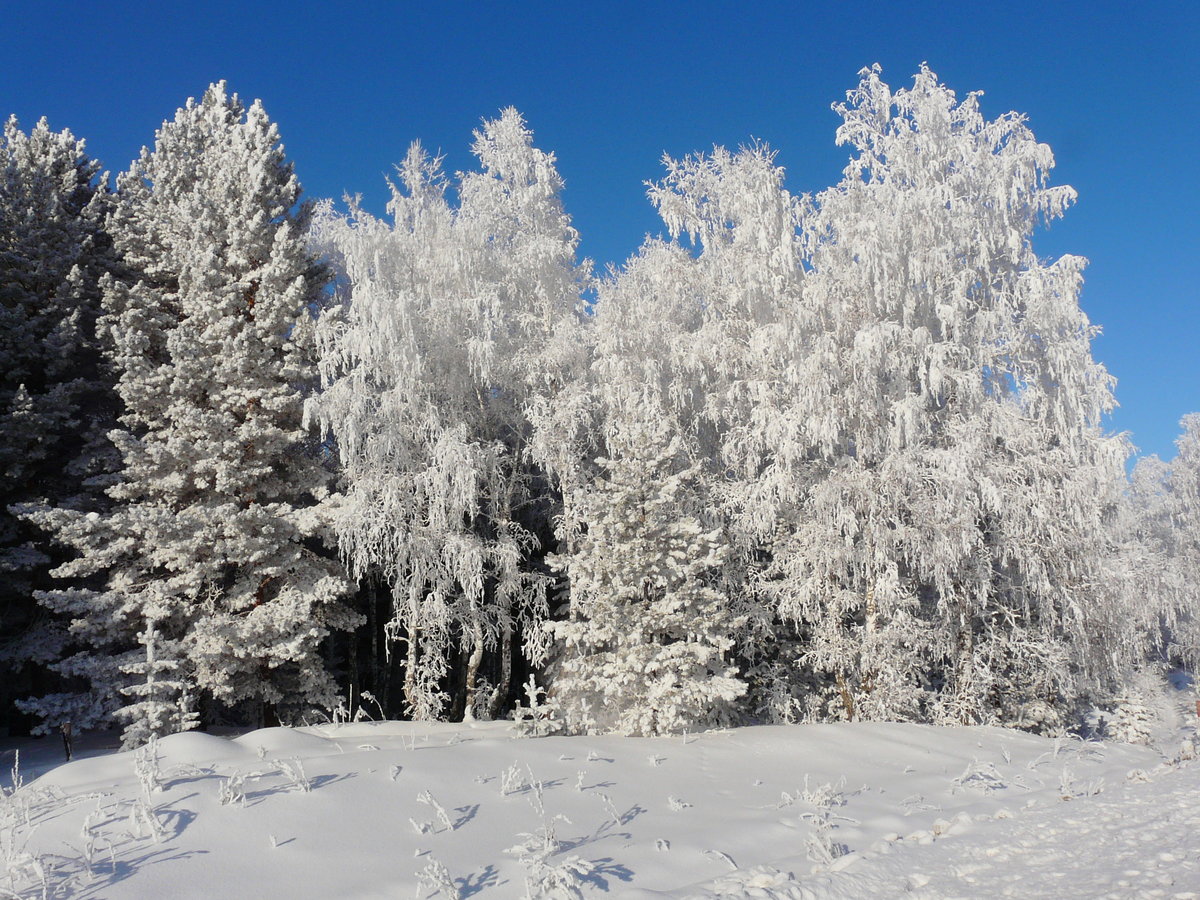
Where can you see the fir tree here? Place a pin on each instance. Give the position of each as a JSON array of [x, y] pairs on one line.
[[644, 650], [208, 566], [55, 399]]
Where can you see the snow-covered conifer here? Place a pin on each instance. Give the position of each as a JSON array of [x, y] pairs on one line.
[[205, 561], [54, 399], [644, 650], [726, 348]]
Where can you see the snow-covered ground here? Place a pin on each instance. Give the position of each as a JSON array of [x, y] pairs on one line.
[[375, 810]]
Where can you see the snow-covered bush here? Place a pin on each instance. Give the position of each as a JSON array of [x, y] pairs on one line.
[[1142, 709]]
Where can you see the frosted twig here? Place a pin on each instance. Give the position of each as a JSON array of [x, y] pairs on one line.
[[438, 810], [293, 770]]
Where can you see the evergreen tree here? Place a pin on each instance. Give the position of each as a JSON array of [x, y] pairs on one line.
[[208, 563], [730, 347], [644, 650], [55, 401]]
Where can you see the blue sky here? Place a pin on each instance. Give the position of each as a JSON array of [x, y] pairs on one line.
[[1114, 88]]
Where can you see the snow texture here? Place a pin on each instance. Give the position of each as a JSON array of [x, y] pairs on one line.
[[371, 810]]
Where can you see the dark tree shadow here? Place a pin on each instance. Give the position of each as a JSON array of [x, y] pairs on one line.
[[472, 884], [467, 813], [604, 870]]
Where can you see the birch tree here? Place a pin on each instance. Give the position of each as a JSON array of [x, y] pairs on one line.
[[943, 562], [448, 319]]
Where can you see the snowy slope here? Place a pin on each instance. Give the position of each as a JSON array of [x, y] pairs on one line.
[[374, 810]]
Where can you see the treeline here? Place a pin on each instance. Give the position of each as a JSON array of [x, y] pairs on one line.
[[804, 458]]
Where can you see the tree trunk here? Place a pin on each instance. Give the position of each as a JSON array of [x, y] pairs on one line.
[[410, 673], [847, 696], [500, 696], [473, 663]]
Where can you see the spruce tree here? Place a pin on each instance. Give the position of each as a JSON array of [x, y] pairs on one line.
[[645, 648], [209, 566], [55, 400]]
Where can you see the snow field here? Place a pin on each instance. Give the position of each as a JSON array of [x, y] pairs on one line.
[[1137, 839], [374, 810]]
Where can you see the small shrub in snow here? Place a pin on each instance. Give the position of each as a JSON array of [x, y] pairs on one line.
[[144, 823], [535, 719], [232, 790], [546, 879], [821, 845], [511, 780], [824, 796], [293, 771], [1139, 710], [146, 767], [438, 810], [613, 816], [1066, 784], [436, 878]]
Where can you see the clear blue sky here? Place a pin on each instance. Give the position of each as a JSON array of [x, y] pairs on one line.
[[1113, 87]]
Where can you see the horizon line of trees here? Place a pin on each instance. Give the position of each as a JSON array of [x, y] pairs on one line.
[[802, 458]]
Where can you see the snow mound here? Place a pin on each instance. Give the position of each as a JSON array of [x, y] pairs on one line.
[[198, 748], [286, 742]]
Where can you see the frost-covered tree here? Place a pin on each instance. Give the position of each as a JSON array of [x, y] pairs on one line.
[[1182, 607], [451, 321], [207, 562], [901, 423], [725, 350], [1158, 562], [684, 348], [54, 399], [943, 560], [645, 647]]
